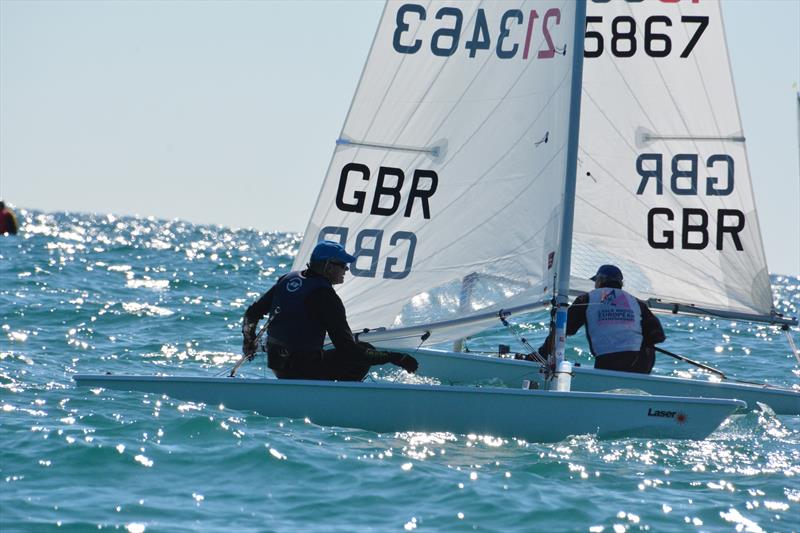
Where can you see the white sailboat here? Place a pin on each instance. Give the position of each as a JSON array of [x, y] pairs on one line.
[[453, 182], [664, 192]]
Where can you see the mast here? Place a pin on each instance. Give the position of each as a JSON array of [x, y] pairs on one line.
[[564, 263]]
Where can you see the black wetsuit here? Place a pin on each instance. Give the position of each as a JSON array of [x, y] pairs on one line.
[[641, 361], [8, 223], [321, 309]]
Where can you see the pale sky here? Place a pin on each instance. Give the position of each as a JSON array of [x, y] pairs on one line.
[[227, 112]]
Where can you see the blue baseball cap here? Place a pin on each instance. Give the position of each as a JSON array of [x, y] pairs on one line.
[[608, 272], [327, 250]]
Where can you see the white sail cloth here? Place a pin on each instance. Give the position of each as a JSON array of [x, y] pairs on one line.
[[448, 178], [664, 189]]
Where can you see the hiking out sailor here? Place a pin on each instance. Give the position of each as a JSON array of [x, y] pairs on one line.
[[621, 330], [303, 307], [8, 222]]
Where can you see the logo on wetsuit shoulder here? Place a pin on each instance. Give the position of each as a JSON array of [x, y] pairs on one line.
[[679, 417], [294, 284]]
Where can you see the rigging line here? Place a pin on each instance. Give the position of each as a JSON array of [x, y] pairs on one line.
[[255, 341], [769, 320], [423, 338], [538, 358], [713, 370], [707, 368]]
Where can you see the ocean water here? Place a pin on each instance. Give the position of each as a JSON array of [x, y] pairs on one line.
[[91, 293]]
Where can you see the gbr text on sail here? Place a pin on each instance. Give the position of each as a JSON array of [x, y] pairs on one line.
[[685, 176]]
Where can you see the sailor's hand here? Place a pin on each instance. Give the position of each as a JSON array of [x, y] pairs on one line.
[[404, 361], [249, 346]]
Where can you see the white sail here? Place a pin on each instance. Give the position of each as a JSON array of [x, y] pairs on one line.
[[448, 178], [664, 187]]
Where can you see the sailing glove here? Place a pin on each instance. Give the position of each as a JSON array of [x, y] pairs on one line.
[[249, 339], [404, 361]]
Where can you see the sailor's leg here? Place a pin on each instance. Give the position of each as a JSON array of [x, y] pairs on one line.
[[343, 368]]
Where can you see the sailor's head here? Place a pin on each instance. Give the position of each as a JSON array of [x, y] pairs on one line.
[[330, 259], [608, 276], [2, 205]]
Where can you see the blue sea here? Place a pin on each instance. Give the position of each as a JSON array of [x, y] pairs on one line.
[[96, 293]]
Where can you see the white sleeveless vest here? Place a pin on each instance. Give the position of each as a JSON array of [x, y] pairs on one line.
[[613, 321]]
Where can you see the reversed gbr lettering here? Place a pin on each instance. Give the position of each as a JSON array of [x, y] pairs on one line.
[[690, 228], [368, 245], [683, 177]]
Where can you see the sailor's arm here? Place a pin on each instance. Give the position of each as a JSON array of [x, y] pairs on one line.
[[254, 313], [576, 319], [652, 331], [330, 309]]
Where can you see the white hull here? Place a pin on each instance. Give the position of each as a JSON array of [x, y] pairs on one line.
[[536, 416], [463, 368]]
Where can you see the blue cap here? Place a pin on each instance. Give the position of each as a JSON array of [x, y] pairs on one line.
[[608, 272], [327, 250]]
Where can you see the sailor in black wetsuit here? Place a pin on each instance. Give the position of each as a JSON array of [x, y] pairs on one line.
[[8, 222], [621, 330], [303, 307]]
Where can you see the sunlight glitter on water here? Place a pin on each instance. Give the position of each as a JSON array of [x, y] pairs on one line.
[[71, 305]]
